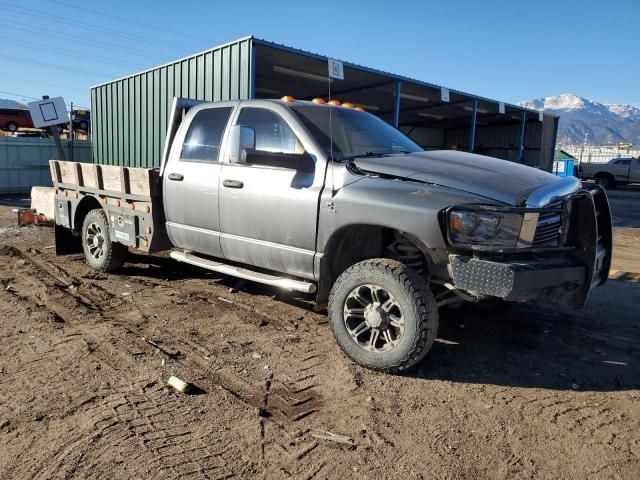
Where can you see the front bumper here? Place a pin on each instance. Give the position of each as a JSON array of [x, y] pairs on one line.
[[558, 281], [566, 276]]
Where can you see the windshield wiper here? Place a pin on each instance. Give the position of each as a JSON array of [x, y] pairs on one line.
[[373, 153]]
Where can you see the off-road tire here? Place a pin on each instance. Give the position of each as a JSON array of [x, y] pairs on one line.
[[114, 254], [418, 306]]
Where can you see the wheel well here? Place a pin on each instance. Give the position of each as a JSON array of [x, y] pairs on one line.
[[87, 204], [356, 243]]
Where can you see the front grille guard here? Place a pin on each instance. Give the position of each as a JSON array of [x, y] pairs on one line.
[[586, 226]]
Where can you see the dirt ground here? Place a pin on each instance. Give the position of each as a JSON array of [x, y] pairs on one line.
[[84, 358]]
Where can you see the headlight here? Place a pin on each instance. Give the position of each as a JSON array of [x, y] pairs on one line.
[[468, 228]]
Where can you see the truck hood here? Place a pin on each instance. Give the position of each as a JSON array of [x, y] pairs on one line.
[[500, 180]]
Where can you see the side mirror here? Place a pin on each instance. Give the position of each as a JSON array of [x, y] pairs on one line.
[[241, 139]]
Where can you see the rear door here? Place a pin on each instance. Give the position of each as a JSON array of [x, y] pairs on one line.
[[191, 181], [268, 214], [620, 169]]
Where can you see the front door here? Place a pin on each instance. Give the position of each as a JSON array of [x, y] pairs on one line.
[[268, 214], [191, 184]]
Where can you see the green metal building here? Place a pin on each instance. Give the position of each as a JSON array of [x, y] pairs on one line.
[[130, 114]]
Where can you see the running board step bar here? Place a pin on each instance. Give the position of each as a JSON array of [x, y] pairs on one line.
[[283, 282]]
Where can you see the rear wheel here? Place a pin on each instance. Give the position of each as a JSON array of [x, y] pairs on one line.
[[606, 181], [383, 315], [101, 253]]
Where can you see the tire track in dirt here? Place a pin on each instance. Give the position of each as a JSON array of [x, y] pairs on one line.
[[286, 404], [290, 401], [590, 422], [182, 444], [178, 454]]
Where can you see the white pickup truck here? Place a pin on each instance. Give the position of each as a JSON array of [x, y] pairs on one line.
[[618, 171]]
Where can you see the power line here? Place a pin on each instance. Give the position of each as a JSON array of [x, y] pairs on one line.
[[28, 80], [78, 38], [86, 25], [64, 51], [55, 67], [121, 19], [18, 95], [28, 97]]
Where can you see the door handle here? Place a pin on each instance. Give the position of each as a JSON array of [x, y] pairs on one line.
[[233, 184], [178, 177]]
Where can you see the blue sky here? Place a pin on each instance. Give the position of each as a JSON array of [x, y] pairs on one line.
[[506, 50]]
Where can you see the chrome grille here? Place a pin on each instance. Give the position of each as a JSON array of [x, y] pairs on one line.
[[548, 228]]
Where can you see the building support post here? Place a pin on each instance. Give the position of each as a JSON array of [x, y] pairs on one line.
[[252, 73], [396, 106], [523, 121], [553, 142], [472, 132]]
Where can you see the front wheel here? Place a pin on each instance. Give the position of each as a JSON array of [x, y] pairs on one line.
[[101, 253], [383, 315], [12, 127]]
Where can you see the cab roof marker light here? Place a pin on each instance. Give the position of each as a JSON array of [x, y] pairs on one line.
[[288, 99], [319, 101], [335, 102], [359, 108], [348, 105]]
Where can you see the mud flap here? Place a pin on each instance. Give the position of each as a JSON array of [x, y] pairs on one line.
[[66, 241]]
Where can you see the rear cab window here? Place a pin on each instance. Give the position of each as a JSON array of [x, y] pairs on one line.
[[202, 142]]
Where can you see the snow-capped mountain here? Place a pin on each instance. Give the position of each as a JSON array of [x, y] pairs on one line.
[[6, 103], [580, 117]]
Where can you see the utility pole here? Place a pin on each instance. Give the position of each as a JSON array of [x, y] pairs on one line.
[[71, 133]]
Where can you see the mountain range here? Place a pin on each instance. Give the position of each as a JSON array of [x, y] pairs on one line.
[[598, 123], [6, 103]]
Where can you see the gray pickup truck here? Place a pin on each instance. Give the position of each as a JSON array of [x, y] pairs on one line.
[[618, 171], [333, 202]]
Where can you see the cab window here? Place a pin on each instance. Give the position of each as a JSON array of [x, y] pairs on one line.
[[202, 142], [272, 132]]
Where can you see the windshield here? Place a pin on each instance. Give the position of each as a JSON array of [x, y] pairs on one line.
[[355, 133]]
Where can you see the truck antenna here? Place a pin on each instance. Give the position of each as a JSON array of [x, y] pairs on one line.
[[333, 185]]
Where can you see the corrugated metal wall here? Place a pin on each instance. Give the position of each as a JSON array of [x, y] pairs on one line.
[[24, 162], [502, 141], [129, 115]]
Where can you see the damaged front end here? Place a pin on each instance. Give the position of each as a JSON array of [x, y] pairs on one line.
[[560, 251]]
